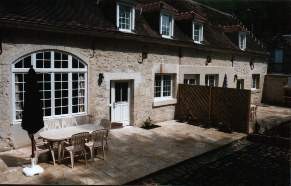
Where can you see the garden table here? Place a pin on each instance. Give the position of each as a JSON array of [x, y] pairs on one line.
[[62, 134]]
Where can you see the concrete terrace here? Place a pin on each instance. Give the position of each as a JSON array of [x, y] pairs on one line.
[[133, 153]]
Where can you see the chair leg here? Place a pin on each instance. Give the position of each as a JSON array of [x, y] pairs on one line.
[[84, 151], [103, 149], [72, 159], [91, 153], [106, 140], [53, 156]]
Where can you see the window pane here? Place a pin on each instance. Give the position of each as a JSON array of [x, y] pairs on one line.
[[124, 17], [75, 63], [158, 86], [19, 64], [167, 86], [166, 25], [27, 62]]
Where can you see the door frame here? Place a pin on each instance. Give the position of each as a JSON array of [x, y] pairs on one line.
[[130, 98]]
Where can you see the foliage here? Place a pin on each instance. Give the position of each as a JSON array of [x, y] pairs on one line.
[[148, 123]]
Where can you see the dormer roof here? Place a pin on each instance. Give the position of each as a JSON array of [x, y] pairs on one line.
[[99, 20], [157, 6]]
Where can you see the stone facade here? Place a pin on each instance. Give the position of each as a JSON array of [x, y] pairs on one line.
[[118, 60], [274, 89]]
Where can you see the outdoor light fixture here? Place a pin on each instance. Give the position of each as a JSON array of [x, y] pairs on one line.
[[235, 77], [208, 60], [144, 55], [0, 45], [252, 63], [232, 60], [100, 79]]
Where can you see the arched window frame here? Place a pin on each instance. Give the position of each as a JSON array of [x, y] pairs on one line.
[[52, 71]]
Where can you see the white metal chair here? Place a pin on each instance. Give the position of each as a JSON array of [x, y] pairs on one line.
[[77, 144], [97, 142], [106, 124], [69, 122], [44, 148], [52, 124], [253, 113]]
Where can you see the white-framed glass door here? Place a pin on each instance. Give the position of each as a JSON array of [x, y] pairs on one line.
[[120, 102]]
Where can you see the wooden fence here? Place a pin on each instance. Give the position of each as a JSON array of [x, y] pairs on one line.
[[214, 105]]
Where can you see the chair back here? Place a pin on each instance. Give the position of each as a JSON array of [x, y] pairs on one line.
[[52, 124], [106, 124], [78, 140], [69, 122], [97, 137]]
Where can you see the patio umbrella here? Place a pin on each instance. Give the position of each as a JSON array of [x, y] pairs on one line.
[[224, 85], [32, 120]]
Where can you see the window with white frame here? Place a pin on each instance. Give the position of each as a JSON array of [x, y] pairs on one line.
[[62, 82], [211, 80], [242, 40], [163, 86], [256, 81], [192, 79], [166, 25], [125, 19], [197, 32]]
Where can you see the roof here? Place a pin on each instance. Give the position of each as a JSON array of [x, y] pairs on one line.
[[94, 17]]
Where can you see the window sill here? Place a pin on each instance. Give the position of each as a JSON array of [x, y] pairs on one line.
[[198, 42], [45, 118], [126, 31], [164, 101], [167, 37], [254, 90]]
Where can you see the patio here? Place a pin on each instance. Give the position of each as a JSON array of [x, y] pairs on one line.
[[133, 153]]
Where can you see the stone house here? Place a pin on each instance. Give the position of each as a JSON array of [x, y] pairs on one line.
[[121, 60], [279, 72]]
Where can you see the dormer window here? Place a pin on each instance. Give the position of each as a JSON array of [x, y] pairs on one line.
[[166, 25], [242, 40], [125, 19], [197, 32]]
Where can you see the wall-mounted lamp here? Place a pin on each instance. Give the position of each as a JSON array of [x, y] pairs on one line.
[[0, 44], [100, 78], [144, 55], [232, 60], [235, 77], [208, 60], [252, 63]]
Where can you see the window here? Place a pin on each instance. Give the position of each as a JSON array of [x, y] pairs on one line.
[[255, 81], [62, 82], [163, 86], [125, 17], [192, 79], [197, 32], [211, 80], [166, 26], [278, 55], [240, 84], [242, 40]]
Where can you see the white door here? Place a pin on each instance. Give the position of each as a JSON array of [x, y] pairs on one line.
[[120, 102]]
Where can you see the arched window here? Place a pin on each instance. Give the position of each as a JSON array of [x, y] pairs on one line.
[[62, 80]]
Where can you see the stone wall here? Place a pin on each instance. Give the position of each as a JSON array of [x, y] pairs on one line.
[[273, 89], [117, 61]]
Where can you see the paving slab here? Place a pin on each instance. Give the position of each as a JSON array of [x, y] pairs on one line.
[[269, 116], [133, 153]]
